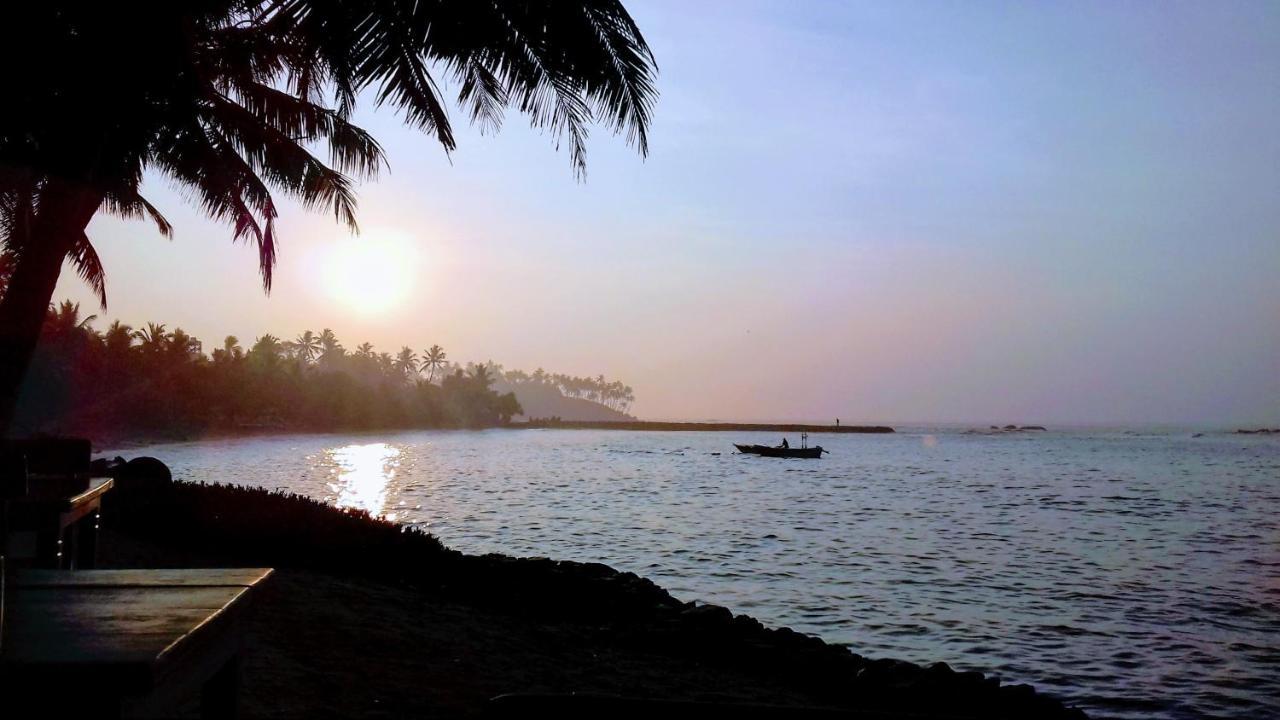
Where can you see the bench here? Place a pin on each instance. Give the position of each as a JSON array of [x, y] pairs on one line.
[[49, 503], [57, 530]]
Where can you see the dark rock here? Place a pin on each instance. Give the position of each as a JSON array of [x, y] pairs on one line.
[[1018, 693], [102, 467], [595, 570], [1010, 427], [143, 473], [708, 616], [888, 671], [1033, 427]]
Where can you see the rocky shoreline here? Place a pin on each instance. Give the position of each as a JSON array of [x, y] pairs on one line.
[[595, 629]]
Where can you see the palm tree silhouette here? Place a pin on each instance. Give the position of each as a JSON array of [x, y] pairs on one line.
[[227, 100], [65, 319], [385, 363], [230, 350], [266, 350], [331, 351], [153, 337], [481, 376], [183, 345], [306, 346], [433, 359], [406, 362], [117, 338]]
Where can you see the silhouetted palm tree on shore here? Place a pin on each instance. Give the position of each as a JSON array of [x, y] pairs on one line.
[[406, 362], [66, 318], [266, 351], [117, 339], [306, 347], [331, 351], [433, 360], [386, 364], [152, 337], [230, 351], [228, 98], [183, 345], [481, 375]]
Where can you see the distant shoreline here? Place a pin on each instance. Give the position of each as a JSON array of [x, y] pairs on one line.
[[105, 445], [697, 426]]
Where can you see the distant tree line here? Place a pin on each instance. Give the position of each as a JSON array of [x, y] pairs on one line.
[[612, 394], [124, 382]]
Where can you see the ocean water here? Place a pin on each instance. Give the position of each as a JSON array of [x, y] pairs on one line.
[[1134, 575]]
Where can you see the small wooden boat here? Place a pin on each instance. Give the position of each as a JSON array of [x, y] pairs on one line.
[[781, 452]]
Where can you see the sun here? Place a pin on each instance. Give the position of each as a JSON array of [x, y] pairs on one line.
[[371, 274]]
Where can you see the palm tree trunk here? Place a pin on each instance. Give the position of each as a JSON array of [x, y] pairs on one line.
[[64, 212]]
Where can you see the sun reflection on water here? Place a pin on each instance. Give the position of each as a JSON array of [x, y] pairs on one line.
[[363, 475]]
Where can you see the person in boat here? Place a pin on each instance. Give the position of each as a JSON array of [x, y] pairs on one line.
[[785, 444]]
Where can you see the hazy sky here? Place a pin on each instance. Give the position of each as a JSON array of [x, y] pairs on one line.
[[891, 212]]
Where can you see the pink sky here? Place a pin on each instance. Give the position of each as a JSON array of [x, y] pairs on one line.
[[880, 213]]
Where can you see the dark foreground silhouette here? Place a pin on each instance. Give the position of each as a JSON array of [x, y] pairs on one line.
[[369, 618]]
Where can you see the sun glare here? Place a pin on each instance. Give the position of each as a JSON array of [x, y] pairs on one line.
[[371, 274], [363, 475]]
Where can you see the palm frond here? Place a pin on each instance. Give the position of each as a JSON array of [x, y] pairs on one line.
[[128, 204], [226, 186], [280, 160], [629, 89], [89, 267], [564, 64], [233, 99], [481, 91], [300, 120]]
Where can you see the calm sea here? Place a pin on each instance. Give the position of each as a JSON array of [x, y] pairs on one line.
[[1135, 575]]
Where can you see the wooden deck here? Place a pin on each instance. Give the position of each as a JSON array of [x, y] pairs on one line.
[[127, 641]]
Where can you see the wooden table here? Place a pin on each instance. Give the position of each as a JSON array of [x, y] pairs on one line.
[[117, 642], [62, 526]]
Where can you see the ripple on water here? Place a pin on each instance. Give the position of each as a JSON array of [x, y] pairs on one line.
[[1137, 576]]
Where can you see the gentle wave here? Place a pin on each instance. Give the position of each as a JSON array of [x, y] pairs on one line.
[[1135, 576]]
